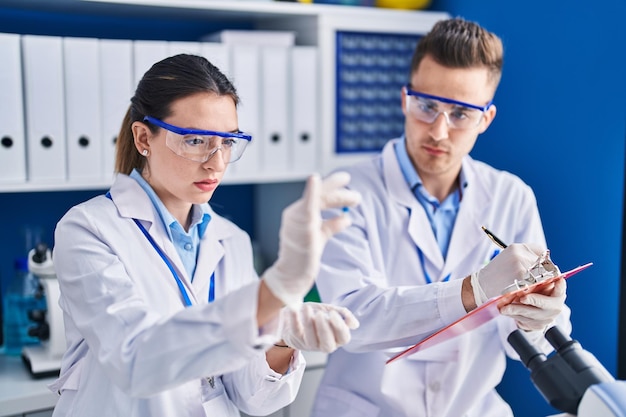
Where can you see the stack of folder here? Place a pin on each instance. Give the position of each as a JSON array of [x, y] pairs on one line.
[[65, 99]]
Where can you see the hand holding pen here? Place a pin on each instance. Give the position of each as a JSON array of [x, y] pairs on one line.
[[532, 311], [541, 269], [509, 267]]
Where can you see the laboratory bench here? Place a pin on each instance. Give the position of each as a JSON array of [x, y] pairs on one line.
[[23, 396]]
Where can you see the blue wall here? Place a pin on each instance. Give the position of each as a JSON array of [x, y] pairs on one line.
[[561, 127]]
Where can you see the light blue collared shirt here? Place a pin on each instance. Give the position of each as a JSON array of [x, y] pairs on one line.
[[441, 215], [186, 243]]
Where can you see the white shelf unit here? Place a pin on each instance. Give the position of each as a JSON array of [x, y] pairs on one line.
[[314, 25], [32, 187]]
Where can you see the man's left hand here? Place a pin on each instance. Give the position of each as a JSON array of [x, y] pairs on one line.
[[536, 311]]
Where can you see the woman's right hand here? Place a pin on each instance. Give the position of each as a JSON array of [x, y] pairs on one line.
[[316, 327], [303, 235]]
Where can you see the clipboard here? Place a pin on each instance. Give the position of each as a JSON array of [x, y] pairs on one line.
[[482, 314]]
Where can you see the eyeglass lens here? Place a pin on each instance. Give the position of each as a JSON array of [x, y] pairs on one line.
[[201, 148], [457, 117]]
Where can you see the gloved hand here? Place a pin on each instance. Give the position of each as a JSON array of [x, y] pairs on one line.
[[303, 235], [316, 326], [511, 264], [536, 311]]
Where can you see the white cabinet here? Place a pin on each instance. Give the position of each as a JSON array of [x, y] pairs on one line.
[[315, 25], [20, 394]]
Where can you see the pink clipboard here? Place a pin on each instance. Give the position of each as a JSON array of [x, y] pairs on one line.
[[482, 314]]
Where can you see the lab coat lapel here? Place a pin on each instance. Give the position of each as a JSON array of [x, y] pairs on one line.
[[132, 202], [419, 227], [160, 236], [467, 232], [210, 253]]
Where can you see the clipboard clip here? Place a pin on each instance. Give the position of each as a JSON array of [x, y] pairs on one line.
[[541, 270]]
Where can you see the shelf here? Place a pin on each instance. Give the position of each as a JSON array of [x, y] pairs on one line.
[[263, 178], [224, 8], [56, 186], [211, 14]]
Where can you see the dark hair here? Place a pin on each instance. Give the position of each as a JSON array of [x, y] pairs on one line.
[[458, 43], [166, 81]]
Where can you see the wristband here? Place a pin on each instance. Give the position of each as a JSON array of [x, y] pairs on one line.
[[479, 295]]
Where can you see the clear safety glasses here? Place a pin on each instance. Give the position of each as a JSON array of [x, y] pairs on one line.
[[201, 145], [427, 108]]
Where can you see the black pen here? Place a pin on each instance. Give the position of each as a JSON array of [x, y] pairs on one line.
[[494, 239]]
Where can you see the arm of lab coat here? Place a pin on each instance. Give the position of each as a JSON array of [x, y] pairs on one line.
[[258, 390]]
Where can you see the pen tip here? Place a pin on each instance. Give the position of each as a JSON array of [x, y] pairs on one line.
[[484, 228]]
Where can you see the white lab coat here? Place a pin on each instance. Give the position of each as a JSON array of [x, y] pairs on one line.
[[133, 347], [373, 268]]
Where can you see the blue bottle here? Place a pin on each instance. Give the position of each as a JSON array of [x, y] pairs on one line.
[[22, 298]]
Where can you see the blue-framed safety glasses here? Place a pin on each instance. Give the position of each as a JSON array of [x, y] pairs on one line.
[[458, 114], [200, 145]]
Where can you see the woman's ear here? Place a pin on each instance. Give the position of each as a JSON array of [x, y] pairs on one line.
[[141, 136]]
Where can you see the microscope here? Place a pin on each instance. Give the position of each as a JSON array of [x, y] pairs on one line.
[[45, 359], [571, 379]]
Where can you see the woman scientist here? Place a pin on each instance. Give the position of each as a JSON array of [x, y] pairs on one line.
[[164, 313]]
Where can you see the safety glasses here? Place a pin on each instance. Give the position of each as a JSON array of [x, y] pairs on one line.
[[458, 114], [200, 145]]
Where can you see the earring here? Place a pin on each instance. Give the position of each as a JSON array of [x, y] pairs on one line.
[[144, 152]]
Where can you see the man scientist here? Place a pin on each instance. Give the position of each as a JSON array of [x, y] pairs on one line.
[[406, 267]]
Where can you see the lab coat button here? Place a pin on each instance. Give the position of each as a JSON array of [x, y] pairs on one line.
[[434, 386], [187, 246]]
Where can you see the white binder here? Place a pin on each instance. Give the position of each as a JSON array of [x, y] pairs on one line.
[[304, 90], [245, 61], [12, 135], [145, 54], [274, 109], [45, 108], [82, 109], [180, 47], [117, 88], [218, 54]]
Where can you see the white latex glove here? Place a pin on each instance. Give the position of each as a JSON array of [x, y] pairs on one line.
[[511, 264], [317, 326], [536, 311], [303, 235]]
